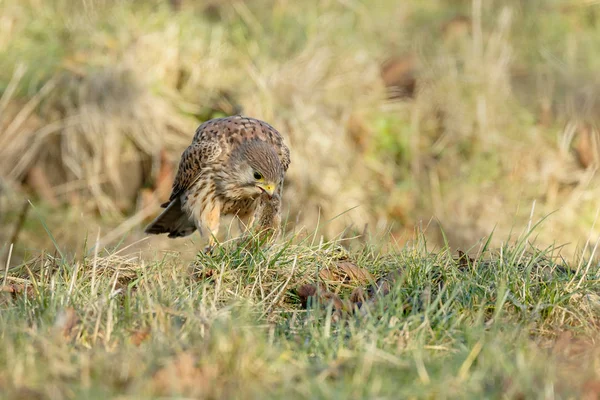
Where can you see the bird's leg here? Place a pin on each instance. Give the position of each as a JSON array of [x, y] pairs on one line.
[[211, 219]]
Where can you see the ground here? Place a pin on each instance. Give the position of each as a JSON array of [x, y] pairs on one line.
[[302, 320], [440, 211]]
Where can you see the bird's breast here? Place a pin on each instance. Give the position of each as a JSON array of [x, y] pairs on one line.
[[239, 206]]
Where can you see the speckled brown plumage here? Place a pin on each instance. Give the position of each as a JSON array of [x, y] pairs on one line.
[[233, 165]]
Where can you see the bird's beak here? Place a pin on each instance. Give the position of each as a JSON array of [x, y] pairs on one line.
[[268, 188]]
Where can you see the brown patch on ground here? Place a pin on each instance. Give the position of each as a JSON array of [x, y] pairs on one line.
[[183, 375], [345, 271]]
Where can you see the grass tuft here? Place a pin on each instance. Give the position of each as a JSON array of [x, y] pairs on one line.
[[236, 323]]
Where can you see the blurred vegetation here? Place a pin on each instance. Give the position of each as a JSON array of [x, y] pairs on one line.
[[467, 112]]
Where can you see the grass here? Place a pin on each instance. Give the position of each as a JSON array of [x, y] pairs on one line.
[[99, 98], [513, 323]]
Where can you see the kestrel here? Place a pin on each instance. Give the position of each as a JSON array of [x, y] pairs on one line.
[[234, 166]]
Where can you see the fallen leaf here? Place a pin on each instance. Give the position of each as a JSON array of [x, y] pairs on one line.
[[12, 288], [305, 292], [382, 287], [354, 272], [345, 271], [15, 289], [311, 294]]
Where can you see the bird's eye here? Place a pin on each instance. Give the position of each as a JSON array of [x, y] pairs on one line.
[[257, 176]]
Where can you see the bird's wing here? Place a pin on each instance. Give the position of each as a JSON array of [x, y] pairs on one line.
[[284, 156], [193, 160]]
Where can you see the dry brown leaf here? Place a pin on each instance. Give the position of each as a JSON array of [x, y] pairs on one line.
[[355, 272], [320, 293], [307, 291], [345, 271], [327, 275], [12, 288], [16, 289], [313, 293]]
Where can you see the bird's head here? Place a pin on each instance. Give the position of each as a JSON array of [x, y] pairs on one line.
[[256, 168]]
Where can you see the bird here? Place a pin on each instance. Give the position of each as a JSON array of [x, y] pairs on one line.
[[235, 165]]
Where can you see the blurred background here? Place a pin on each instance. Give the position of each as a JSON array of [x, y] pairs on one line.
[[466, 115]]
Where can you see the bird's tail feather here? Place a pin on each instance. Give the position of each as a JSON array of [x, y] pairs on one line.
[[173, 220]]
